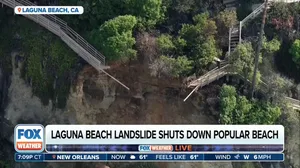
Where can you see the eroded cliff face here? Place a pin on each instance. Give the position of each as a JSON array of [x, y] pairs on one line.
[[97, 99]]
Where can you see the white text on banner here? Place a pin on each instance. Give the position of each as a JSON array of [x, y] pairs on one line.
[[164, 134]]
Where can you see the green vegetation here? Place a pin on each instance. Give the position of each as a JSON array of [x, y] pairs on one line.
[[172, 67], [61, 62], [242, 60], [48, 68], [34, 70], [166, 44], [277, 88], [185, 29], [184, 38], [295, 51], [237, 109], [96, 12], [120, 20], [200, 39], [226, 19], [283, 22], [281, 17], [61, 58], [114, 38], [48, 63], [188, 36], [170, 46], [148, 12], [270, 47], [180, 12]]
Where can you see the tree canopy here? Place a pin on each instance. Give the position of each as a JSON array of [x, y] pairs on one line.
[[228, 104], [148, 12], [171, 67], [270, 47], [237, 109], [114, 38], [281, 17], [277, 87], [200, 39], [226, 19], [295, 51], [194, 48], [96, 12], [165, 44], [242, 60]]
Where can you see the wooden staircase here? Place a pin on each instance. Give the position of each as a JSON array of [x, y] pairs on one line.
[[235, 33], [60, 28], [234, 39]]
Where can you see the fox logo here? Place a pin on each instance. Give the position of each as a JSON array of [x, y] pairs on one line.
[[29, 138]]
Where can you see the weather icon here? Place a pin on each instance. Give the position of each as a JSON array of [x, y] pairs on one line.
[[132, 157]]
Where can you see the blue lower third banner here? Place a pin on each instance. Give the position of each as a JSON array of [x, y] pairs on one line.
[[146, 157]]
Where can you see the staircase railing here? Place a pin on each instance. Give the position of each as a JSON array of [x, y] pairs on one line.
[[68, 35], [229, 40], [55, 25], [225, 68], [210, 76], [253, 14], [216, 74], [240, 32]]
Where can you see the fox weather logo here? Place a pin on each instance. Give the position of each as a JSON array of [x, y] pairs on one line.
[[29, 138]]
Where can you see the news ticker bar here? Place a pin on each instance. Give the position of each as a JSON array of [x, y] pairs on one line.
[[164, 148], [145, 157]]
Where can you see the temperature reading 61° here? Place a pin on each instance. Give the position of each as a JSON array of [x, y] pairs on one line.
[[142, 157], [193, 157]]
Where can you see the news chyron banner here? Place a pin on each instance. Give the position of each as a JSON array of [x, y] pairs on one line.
[[155, 142], [147, 138]]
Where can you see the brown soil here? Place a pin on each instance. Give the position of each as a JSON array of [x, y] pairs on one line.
[[149, 101]]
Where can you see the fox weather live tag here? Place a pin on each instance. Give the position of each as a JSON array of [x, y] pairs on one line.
[[29, 138]]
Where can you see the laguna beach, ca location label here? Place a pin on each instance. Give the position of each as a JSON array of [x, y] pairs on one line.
[[49, 10]]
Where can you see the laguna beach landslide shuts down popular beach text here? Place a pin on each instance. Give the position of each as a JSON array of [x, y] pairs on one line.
[[165, 134]]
